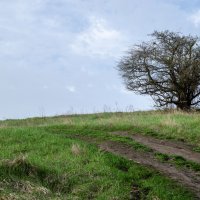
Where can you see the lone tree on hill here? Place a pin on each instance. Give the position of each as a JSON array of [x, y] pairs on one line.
[[167, 68]]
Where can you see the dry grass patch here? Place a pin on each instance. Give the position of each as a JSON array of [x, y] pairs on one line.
[[169, 121], [18, 161], [28, 187], [76, 149], [9, 197]]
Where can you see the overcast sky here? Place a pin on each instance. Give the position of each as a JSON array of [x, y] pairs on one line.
[[59, 56]]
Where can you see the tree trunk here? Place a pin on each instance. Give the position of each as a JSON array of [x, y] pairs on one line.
[[184, 106]]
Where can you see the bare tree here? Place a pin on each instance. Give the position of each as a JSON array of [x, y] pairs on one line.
[[167, 68]]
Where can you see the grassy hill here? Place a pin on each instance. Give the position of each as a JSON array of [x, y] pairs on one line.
[[69, 157]]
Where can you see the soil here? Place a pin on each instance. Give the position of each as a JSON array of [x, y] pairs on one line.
[[165, 146], [186, 178]]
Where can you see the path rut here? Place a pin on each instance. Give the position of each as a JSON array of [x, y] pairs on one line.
[[164, 146], [188, 179]]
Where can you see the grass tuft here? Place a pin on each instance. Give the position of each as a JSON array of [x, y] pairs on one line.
[[76, 149]]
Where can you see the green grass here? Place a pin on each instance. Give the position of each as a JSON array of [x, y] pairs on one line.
[[104, 136], [99, 135], [172, 125], [40, 158], [178, 161]]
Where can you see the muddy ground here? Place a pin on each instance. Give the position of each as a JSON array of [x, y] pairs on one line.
[[186, 177]]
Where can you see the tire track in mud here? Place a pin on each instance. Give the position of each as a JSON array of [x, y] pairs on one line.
[[164, 146], [187, 178]]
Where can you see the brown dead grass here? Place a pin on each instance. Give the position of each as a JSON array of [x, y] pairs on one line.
[[18, 161], [76, 149], [169, 121], [9, 197]]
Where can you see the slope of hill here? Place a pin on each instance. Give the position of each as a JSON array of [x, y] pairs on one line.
[[140, 155]]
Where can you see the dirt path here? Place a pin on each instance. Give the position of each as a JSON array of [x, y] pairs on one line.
[[164, 146], [188, 179]]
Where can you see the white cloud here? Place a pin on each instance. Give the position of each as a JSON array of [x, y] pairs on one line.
[[71, 88], [195, 18], [99, 40]]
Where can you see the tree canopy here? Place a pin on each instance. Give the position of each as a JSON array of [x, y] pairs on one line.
[[167, 68]]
